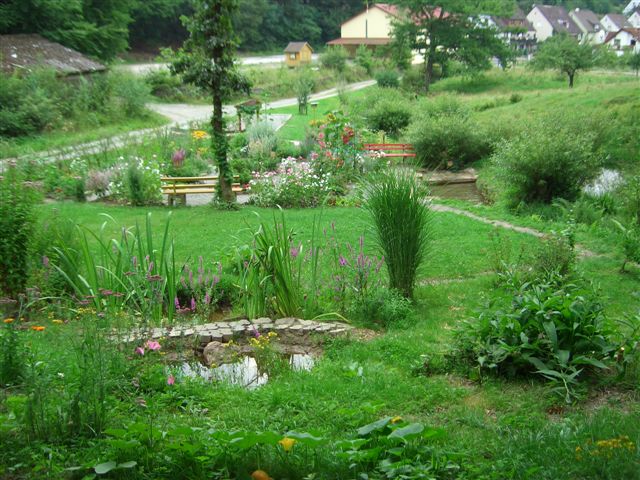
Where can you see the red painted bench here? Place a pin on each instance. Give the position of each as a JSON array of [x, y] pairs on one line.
[[397, 150]]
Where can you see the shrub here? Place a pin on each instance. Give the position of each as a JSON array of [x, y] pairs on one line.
[[131, 94], [545, 163], [388, 79], [412, 79], [137, 182], [334, 58], [447, 141], [364, 58], [262, 142], [552, 330], [304, 86], [17, 220], [397, 203], [630, 242], [389, 116], [382, 306]]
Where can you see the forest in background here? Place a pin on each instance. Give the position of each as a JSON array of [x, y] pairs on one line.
[[107, 28]]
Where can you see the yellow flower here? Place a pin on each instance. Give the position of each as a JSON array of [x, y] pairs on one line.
[[8, 320], [287, 443], [38, 328], [199, 134], [57, 322], [396, 419]]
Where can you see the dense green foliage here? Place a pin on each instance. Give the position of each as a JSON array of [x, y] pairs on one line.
[[40, 101], [17, 224]]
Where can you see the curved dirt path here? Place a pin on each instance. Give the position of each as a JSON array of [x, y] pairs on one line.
[[582, 251]]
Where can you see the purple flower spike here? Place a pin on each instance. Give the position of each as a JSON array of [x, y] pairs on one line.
[[193, 304], [343, 261]]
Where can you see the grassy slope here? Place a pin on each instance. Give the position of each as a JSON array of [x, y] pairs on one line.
[[59, 139]]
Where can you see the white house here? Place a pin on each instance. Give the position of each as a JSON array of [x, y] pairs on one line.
[[626, 39], [634, 19], [612, 22], [549, 20], [589, 25], [633, 5]]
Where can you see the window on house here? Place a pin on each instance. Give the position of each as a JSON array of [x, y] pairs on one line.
[[292, 56]]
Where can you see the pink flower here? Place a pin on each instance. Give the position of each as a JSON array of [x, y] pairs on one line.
[[139, 351], [171, 380], [153, 345], [193, 304]]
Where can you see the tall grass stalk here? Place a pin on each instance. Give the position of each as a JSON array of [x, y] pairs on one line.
[[397, 202], [128, 271]]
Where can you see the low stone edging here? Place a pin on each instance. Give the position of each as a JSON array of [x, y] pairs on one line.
[[226, 331]]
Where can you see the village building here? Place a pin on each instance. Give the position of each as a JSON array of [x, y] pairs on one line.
[[370, 28], [297, 54], [624, 40], [550, 20], [613, 22], [516, 31], [631, 6], [634, 18], [25, 52], [588, 22]]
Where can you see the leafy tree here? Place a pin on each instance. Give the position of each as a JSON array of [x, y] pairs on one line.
[[96, 28], [207, 60], [449, 30], [564, 53]]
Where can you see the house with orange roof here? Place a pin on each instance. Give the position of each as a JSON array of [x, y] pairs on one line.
[[371, 28]]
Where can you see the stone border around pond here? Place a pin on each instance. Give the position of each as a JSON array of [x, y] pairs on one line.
[[225, 331]]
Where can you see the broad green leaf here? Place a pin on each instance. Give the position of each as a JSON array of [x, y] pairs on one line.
[[378, 425], [407, 433], [104, 468], [130, 464]]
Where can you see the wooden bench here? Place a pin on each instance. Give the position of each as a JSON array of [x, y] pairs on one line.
[[179, 187], [391, 150]]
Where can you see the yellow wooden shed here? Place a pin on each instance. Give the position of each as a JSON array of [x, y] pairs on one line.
[[297, 53]]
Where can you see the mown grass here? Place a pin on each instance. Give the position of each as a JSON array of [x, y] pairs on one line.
[[458, 249]]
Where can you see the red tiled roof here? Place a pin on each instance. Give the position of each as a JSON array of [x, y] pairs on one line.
[[387, 8], [359, 41]]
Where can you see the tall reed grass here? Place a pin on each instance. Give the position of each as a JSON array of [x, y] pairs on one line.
[[397, 202]]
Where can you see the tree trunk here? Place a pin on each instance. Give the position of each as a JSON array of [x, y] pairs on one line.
[[428, 69], [220, 148], [571, 75]]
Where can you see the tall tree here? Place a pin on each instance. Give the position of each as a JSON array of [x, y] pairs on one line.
[[451, 30], [207, 59], [564, 53]]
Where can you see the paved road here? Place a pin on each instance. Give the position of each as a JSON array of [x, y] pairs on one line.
[[184, 113], [143, 68]]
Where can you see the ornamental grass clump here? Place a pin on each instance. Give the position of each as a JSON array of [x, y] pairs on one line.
[[397, 203]]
